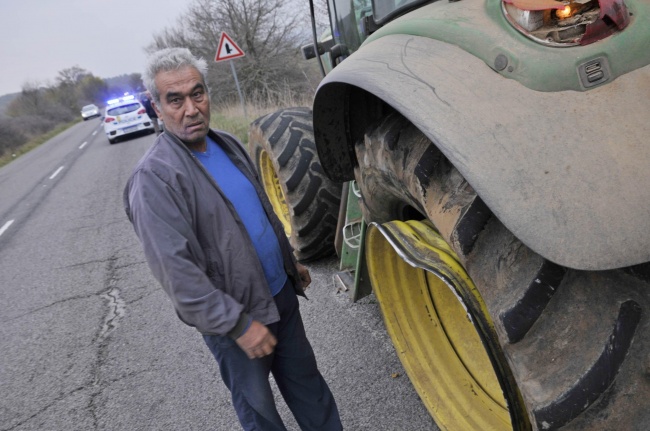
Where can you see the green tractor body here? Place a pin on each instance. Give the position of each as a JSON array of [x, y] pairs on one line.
[[493, 163]]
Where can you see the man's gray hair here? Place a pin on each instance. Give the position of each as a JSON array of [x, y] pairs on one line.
[[170, 59]]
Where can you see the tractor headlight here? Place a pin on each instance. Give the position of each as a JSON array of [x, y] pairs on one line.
[[566, 23]]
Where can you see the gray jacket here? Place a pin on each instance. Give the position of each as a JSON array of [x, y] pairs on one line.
[[195, 243]]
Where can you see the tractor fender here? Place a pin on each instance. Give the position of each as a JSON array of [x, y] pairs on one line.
[[567, 172]]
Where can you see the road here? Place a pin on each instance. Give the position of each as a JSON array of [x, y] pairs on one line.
[[88, 341]]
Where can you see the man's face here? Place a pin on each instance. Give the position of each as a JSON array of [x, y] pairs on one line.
[[184, 105]]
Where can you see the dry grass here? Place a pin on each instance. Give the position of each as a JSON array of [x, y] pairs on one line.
[[231, 118]]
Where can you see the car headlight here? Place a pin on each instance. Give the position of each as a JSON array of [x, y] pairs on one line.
[[566, 23]]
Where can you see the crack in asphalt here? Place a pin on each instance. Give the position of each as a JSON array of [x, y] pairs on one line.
[[105, 293], [115, 310], [57, 400], [61, 301], [148, 291]]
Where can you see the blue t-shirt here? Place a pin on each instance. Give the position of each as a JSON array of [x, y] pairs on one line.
[[239, 190]]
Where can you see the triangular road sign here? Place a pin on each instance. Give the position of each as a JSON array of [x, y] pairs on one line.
[[228, 49]]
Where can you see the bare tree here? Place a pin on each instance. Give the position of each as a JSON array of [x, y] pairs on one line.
[[71, 76], [30, 102], [321, 13], [268, 31]]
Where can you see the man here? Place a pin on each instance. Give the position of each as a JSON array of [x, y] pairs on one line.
[[212, 241], [146, 102]]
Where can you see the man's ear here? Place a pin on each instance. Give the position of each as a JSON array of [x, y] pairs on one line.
[[155, 108]]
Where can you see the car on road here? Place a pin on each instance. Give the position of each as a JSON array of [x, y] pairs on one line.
[[89, 111], [126, 116]]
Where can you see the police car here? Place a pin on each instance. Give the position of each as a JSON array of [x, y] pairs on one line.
[[125, 116]]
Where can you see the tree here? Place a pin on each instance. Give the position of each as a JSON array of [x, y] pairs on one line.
[[71, 76], [91, 89], [30, 102], [268, 31], [40, 108]]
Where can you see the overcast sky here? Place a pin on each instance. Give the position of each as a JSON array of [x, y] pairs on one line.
[[38, 38]]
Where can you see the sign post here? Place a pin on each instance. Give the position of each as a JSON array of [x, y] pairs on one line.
[[227, 50]]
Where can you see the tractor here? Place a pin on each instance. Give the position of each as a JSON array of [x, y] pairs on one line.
[[483, 168]]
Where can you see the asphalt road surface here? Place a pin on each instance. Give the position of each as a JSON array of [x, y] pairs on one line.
[[88, 341]]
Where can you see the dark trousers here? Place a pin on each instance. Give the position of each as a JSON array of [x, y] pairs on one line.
[[294, 369]]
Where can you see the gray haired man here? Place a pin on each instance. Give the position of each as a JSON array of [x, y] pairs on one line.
[[211, 239]]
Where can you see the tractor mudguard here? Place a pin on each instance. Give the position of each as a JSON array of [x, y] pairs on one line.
[[567, 172]]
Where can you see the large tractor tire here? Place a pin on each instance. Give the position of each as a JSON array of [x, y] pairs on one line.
[[492, 335], [305, 200]]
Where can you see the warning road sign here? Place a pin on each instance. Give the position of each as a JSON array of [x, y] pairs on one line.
[[228, 49]]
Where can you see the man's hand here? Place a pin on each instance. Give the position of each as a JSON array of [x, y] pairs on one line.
[[257, 341], [304, 275]]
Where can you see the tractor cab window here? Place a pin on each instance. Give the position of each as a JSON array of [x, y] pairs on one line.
[[347, 21], [383, 9], [348, 17]]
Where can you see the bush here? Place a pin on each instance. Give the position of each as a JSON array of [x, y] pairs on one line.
[[33, 125], [11, 136]]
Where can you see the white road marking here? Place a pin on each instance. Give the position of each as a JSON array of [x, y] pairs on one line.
[[5, 227], [95, 132], [56, 172], [83, 145]]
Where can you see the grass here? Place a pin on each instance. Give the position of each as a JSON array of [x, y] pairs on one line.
[[34, 142], [231, 118]]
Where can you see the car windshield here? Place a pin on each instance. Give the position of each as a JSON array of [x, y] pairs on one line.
[[88, 108], [123, 109]]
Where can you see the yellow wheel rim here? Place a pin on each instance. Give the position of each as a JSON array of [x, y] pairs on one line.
[[274, 191], [433, 333]]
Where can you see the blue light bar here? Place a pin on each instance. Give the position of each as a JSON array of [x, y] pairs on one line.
[[120, 99]]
